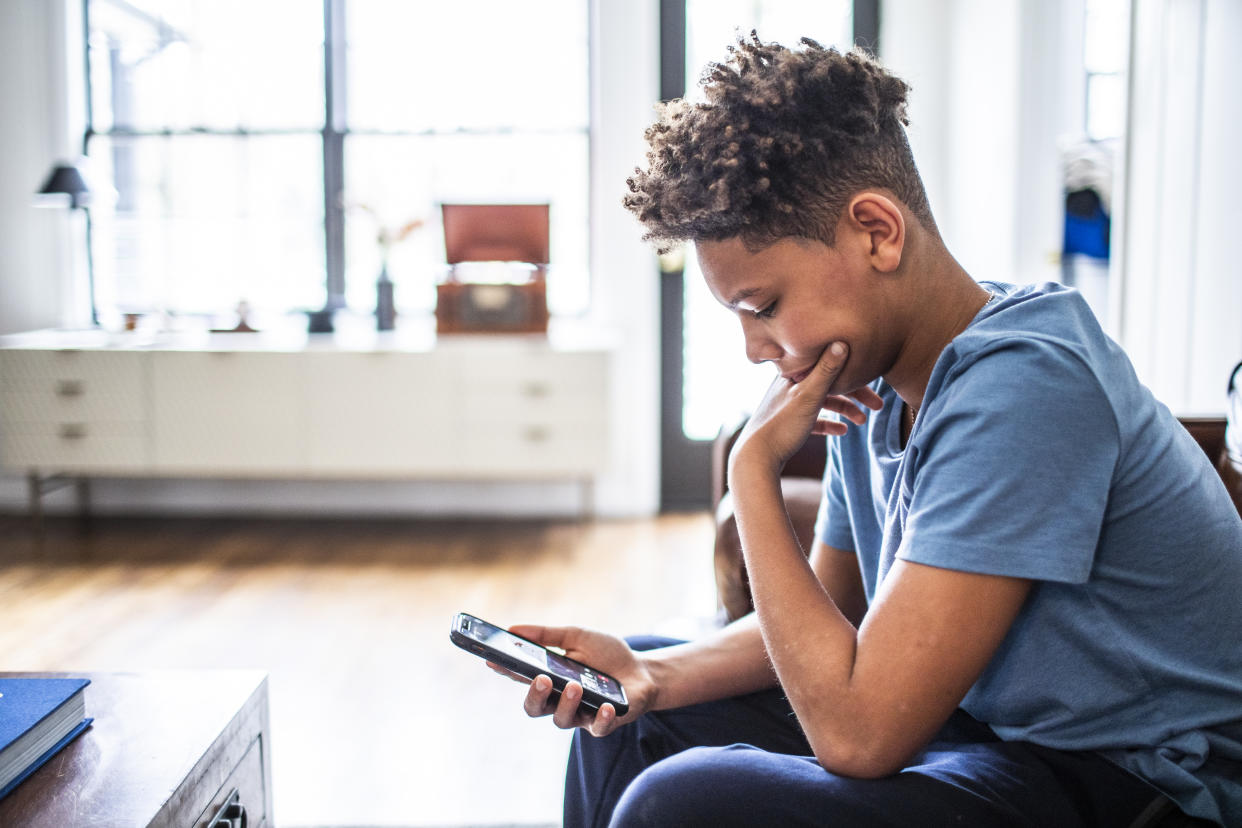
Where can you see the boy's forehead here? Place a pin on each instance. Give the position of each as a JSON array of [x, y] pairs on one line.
[[732, 257], [734, 273], [723, 267], [722, 257]]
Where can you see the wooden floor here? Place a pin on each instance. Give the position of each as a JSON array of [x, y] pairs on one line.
[[376, 718]]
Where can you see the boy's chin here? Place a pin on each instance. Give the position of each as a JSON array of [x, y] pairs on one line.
[[847, 384]]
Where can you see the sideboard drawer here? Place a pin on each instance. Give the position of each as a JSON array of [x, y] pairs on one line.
[[247, 782], [117, 372], [534, 373], [75, 445], [70, 401], [516, 449]]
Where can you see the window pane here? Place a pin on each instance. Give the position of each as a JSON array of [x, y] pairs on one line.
[[403, 177], [479, 65], [218, 64], [203, 222], [719, 381], [1105, 106], [712, 25], [1105, 46]]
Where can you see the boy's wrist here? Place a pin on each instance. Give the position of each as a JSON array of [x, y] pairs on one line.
[[748, 468], [662, 674]]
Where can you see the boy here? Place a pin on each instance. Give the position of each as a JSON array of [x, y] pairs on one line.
[[1022, 604]]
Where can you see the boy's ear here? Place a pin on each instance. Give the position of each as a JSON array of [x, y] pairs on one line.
[[878, 219]]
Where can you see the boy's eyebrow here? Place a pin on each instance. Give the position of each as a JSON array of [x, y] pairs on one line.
[[744, 293]]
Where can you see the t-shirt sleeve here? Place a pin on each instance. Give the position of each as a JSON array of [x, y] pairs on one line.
[[832, 524], [1013, 467]]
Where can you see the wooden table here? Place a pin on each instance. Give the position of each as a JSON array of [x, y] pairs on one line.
[[167, 748]]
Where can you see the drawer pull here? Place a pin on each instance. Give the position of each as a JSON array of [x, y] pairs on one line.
[[536, 390], [72, 431], [70, 388], [232, 813], [536, 434]]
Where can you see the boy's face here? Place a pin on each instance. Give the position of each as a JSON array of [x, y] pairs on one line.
[[796, 297]]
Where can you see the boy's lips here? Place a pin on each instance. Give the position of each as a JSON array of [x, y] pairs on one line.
[[799, 376], [796, 377]]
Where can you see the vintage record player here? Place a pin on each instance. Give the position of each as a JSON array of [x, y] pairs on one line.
[[496, 281]]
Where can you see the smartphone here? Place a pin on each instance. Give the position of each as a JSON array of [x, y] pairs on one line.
[[526, 658]]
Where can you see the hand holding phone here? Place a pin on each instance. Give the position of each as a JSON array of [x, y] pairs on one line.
[[528, 659]]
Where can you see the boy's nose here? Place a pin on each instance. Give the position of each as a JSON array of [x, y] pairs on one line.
[[760, 348]]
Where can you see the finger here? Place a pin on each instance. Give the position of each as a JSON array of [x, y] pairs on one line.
[[547, 636], [605, 720], [566, 714], [845, 408], [867, 396], [509, 674], [825, 427], [829, 364], [537, 699]]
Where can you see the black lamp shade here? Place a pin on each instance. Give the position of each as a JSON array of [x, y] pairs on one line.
[[66, 179]]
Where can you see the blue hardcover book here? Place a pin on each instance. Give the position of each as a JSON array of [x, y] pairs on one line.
[[38, 717]]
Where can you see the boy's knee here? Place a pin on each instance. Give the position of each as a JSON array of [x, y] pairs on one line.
[[695, 787]]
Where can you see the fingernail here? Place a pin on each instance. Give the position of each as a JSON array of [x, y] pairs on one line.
[[838, 349]]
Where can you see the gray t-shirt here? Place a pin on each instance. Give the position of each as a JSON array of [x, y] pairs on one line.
[[1038, 454]]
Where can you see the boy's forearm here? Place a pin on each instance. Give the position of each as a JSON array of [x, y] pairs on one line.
[[730, 662]]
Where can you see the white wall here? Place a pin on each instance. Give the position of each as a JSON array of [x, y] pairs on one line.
[[39, 82], [36, 255]]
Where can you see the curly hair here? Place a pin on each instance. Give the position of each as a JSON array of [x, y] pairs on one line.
[[785, 138]]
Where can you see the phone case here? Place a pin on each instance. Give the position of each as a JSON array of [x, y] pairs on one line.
[[590, 698]]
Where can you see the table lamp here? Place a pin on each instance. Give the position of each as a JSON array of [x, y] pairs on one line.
[[66, 179]]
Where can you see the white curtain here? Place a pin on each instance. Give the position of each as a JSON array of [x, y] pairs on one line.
[[1179, 285]]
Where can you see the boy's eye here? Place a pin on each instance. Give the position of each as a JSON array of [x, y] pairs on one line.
[[765, 312]]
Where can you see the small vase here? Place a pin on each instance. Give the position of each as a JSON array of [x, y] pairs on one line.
[[385, 309]]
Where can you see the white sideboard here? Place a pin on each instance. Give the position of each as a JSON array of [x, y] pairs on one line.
[[240, 405]]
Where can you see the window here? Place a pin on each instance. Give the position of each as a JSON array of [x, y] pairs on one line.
[[1104, 57], [243, 139], [1088, 164]]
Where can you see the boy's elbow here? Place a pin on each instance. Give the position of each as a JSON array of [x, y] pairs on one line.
[[862, 758]]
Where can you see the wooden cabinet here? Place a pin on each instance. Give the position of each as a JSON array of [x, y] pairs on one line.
[[474, 408], [166, 750]]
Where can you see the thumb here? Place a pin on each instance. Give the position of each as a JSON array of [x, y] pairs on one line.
[[547, 636], [829, 365]]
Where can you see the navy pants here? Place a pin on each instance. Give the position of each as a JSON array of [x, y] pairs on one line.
[[744, 761]]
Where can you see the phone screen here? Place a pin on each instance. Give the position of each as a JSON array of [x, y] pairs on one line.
[[539, 657]]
